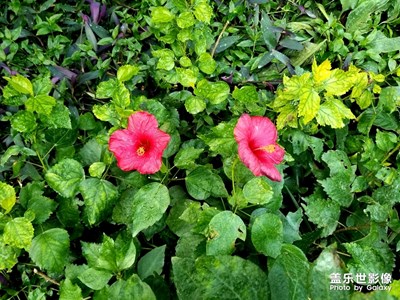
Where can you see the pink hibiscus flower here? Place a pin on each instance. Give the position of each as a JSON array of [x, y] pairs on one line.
[[141, 145], [258, 150]]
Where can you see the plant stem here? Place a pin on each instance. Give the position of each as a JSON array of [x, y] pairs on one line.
[[45, 277], [219, 39]]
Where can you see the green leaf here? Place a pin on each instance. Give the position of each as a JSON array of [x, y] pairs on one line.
[[327, 263], [18, 232], [106, 113], [389, 98], [106, 89], [65, 177], [221, 140], [91, 152], [258, 191], [338, 188], [174, 221], [287, 274], [368, 259], [59, 117], [195, 105], [202, 183], [109, 255], [23, 121], [161, 14], [267, 234], [322, 212], [268, 32], [121, 96], [214, 92], [125, 251], [186, 77], [50, 250], [94, 278], [42, 207], [126, 72], [385, 140], [96, 169], [356, 18], [148, 206], [185, 158], [20, 84], [309, 104], [8, 256], [70, 291], [219, 277], [42, 104], [87, 121], [68, 212], [152, 262], [206, 63], [166, 59], [99, 196], [332, 112], [133, 288], [365, 99], [227, 42], [291, 225], [338, 162], [190, 246], [247, 94], [223, 230], [185, 20], [203, 11], [7, 197], [15, 150]]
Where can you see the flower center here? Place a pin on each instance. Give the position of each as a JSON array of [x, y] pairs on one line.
[[140, 151], [268, 148]]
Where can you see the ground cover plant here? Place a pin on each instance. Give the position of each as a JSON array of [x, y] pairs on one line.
[[199, 149]]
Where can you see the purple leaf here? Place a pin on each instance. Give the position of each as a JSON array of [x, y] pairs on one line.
[[60, 72], [95, 11]]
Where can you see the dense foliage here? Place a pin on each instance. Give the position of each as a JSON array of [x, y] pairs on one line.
[[199, 225]]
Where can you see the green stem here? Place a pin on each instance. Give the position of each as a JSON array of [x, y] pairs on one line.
[[233, 175], [391, 153]]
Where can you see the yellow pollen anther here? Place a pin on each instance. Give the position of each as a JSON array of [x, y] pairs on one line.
[[268, 148], [140, 151]]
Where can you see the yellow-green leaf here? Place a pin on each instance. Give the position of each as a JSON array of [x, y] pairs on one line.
[[161, 15], [321, 72], [338, 83], [365, 99], [309, 104], [18, 233], [7, 196], [287, 117], [20, 84], [360, 84], [203, 11], [42, 104], [332, 112], [294, 84]]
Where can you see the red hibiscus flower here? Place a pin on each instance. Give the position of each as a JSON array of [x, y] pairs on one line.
[[258, 150], [141, 145]]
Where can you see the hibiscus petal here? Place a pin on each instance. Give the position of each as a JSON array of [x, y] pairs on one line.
[[271, 172], [275, 157], [263, 131], [151, 162], [142, 122], [148, 166], [122, 144], [243, 128], [249, 159]]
